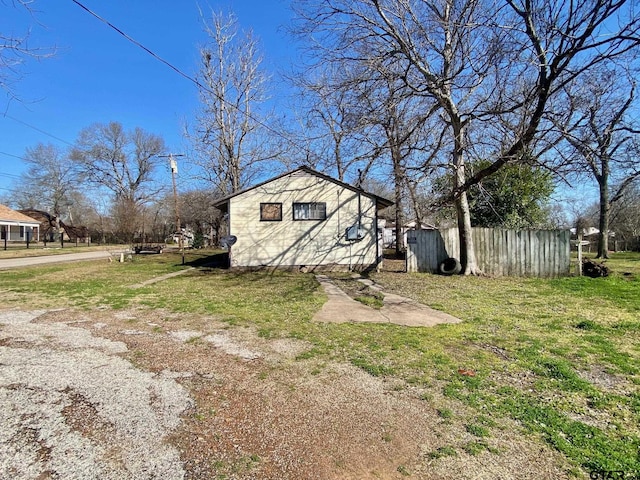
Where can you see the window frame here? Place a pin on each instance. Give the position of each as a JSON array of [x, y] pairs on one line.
[[263, 219], [311, 208]]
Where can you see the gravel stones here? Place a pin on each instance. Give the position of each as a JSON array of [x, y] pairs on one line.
[[62, 413]]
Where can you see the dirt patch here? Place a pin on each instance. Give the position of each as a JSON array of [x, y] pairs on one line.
[[258, 412], [358, 291]]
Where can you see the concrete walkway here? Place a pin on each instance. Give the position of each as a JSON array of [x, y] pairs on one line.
[[161, 278], [6, 263], [341, 308]]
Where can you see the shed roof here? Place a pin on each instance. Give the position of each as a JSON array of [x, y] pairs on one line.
[[9, 215], [380, 201]]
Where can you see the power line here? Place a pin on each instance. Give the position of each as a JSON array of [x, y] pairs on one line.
[[187, 76], [9, 175], [11, 155], [12, 176], [36, 129]]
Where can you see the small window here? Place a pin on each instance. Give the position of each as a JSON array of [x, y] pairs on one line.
[[21, 232], [270, 212], [310, 211]]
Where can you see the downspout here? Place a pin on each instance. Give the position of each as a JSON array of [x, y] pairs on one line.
[[359, 213], [229, 230], [339, 207]]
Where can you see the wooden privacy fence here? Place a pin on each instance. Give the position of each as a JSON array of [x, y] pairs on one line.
[[532, 253]]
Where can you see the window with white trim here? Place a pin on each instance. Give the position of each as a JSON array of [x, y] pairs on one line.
[[310, 211]]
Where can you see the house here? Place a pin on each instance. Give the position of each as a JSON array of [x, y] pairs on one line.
[[187, 237], [389, 232], [304, 218], [17, 227], [51, 227]]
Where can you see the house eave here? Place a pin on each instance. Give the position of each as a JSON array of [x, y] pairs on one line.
[[223, 203]]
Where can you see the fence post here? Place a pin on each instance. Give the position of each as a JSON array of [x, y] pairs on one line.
[[579, 254]]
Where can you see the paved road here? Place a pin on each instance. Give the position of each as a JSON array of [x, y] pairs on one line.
[[66, 257]]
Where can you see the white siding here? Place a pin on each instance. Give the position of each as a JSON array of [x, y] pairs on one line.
[[302, 242]]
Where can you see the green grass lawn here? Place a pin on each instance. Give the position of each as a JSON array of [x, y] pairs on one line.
[[559, 356]]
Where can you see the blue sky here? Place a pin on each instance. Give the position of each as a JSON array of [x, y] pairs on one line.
[[97, 75]]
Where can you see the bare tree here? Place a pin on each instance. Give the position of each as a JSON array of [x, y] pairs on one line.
[[491, 66], [625, 219], [397, 128], [335, 126], [228, 137], [603, 142], [15, 49], [122, 163], [50, 179], [365, 123], [199, 213]]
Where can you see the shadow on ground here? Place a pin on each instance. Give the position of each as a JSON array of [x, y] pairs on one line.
[[217, 260]]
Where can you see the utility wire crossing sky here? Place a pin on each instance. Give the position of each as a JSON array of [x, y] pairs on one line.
[[121, 61]]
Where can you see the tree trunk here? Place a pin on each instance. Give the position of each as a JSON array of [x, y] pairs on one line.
[[467, 252], [398, 180], [463, 213], [603, 224]]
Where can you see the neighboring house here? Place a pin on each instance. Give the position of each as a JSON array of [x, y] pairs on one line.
[[17, 227], [187, 237], [304, 218], [389, 235], [51, 227], [588, 232]]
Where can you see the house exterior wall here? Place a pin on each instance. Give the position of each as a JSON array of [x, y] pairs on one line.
[[290, 242], [13, 232]]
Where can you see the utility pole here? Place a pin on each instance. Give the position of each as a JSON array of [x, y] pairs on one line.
[[174, 170]]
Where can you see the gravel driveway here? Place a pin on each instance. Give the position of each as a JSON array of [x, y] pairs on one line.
[[71, 408], [147, 394]]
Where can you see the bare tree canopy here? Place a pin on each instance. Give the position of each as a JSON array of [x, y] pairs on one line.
[[123, 163], [15, 48], [120, 161], [228, 136], [602, 139], [334, 123], [51, 179], [491, 67]]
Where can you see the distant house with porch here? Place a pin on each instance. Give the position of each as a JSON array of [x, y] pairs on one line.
[[304, 218], [17, 227]]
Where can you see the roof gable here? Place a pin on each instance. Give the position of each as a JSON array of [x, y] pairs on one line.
[[9, 215], [382, 202]]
